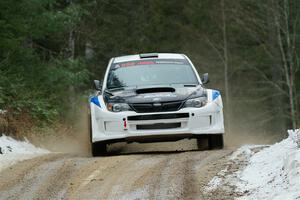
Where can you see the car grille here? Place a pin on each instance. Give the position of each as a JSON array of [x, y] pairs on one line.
[[158, 126], [156, 107], [158, 116]]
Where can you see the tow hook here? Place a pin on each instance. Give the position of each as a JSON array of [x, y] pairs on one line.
[[124, 124]]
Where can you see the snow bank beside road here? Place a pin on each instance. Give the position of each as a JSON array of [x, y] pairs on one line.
[[12, 151], [262, 172], [274, 172]]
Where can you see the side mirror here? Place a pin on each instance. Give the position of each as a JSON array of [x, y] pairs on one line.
[[204, 78], [98, 85]]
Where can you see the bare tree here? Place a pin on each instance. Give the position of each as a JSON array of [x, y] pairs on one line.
[[275, 32], [225, 62], [276, 71], [286, 43]]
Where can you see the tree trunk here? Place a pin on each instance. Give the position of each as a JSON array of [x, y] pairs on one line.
[[225, 60], [278, 122], [71, 44], [71, 48], [286, 50], [89, 51]]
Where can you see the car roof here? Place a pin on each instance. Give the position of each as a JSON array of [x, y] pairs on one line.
[[138, 57]]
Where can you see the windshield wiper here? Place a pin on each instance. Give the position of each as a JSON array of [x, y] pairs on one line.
[[189, 85], [116, 88], [108, 92]]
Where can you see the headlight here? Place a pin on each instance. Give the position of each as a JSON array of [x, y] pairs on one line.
[[118, 107], [196, 102]]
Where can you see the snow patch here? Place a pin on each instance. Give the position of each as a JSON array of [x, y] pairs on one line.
[[215, 182], [295, 136], [12, 151], [274, 172], [246, 151], [262, 172], [228, 177]]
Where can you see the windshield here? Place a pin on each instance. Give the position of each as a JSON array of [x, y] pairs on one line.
[[150, 72]]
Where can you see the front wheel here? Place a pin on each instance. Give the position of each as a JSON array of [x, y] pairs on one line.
[[210, 141], [99, 149], [203, 143], [216, 141]]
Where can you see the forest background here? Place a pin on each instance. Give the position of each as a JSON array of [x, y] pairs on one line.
[[51, 50]]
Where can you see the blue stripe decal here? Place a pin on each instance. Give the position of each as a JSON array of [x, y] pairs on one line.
[[215, 94], [95, 100]]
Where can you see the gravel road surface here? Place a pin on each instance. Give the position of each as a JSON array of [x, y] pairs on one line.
[[141, 175]]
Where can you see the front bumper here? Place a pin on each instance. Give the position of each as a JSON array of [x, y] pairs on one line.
[[129, 125]]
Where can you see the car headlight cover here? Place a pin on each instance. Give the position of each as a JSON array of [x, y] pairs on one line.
[[118, 107], [196, 102]]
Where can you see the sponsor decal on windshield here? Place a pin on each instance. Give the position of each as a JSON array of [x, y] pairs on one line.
[[146, 63], [170, 62], [128, 64], [149, 62]]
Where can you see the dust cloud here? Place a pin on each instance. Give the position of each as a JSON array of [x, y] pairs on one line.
[[76, 139], [72, 139], [242, 133]]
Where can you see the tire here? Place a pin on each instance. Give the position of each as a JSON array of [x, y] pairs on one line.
[[203, 143], [90, 126], [99, 149], [216, 141], [209, 142]]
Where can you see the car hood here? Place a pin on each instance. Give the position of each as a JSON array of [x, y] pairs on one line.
[[155, 94]]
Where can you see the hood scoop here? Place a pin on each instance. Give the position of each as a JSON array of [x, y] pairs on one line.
[[154, 90]]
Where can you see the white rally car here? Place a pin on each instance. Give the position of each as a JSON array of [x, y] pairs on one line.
[[154, 97]]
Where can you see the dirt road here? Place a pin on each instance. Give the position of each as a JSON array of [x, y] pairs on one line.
[[146, 175]]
